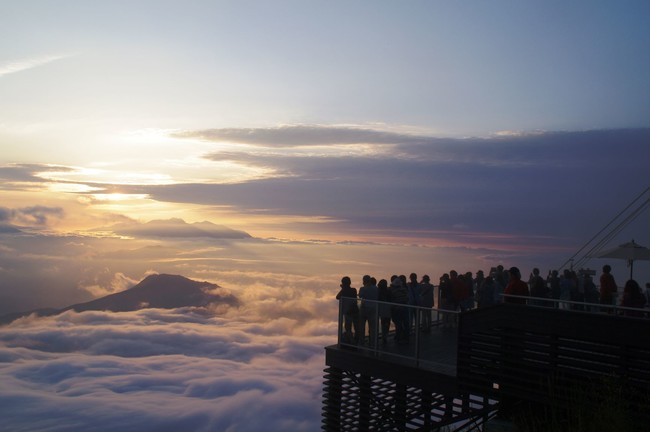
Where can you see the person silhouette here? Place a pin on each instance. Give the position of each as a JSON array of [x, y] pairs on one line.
[[350, 310]]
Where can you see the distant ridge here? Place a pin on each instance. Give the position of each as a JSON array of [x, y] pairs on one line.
[[162, 291]]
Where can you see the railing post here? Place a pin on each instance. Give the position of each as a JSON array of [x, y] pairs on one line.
[[417, 337], [340, 332], [377, 325]]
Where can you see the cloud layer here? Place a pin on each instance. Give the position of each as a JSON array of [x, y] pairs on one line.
[[420, 185], [156, 370], [530, 200]]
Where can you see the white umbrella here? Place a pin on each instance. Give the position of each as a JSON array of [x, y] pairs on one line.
[[628, 251]]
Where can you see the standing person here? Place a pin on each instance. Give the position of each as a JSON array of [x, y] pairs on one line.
[[426, 301], [633, 298], [368, 294], [538, 288], [577, 295], [348, 297], [498, 287], [516, 287], [478, 281], [413, 288], [553, 282], [566, 287], [608, 288], [486, 292], [384, 309], [591, 293], [469, 290], [501, 277], [458, 290], [446, 300], [399, 313]]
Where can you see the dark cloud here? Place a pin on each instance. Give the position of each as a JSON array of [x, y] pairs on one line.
[[301, 136], [540, 187], [14, 176], [8, 229], [40, 214], [35, 215]]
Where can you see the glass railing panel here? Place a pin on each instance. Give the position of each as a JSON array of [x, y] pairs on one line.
[[414, 335]]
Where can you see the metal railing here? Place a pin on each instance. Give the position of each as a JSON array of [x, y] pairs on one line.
[[414, 347], [581, 306], [364, 332]]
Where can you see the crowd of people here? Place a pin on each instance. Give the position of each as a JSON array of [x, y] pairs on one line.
[[378, 303]]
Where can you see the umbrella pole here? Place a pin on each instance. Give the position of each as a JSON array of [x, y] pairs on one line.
[[631, 267]]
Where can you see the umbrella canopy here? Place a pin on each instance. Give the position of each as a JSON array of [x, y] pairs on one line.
[[630, 251]]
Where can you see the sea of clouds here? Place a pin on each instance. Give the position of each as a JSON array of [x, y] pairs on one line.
[[184, 369]]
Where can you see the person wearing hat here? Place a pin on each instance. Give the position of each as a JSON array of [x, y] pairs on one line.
[[516, 287]]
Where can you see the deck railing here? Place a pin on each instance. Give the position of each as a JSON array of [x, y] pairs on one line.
[[367, 334], [612, 309], [414, 349]]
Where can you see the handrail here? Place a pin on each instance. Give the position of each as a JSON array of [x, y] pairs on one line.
[[370, 341], [587, 306]]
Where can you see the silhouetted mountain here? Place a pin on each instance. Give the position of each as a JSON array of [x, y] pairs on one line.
[[155, 291]]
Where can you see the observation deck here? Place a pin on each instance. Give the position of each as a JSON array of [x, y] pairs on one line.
[[493, 360]]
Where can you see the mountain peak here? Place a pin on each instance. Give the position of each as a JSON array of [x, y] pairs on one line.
[[163, 291]]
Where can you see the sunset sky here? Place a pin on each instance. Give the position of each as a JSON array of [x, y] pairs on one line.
[[317, 139]]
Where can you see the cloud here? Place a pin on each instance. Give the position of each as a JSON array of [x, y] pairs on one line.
[[29, 63], [432, 185], [35, 215], [13, 175], [530, 199], [155, 370], [301, 136], [106, 282], [176, 228]]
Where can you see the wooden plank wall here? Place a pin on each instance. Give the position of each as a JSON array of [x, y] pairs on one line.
[[554, 357]]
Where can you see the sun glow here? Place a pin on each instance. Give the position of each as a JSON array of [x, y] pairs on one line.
[[80, 175], [118, 197]]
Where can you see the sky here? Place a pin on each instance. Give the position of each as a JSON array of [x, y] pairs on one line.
[[273, 147]]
